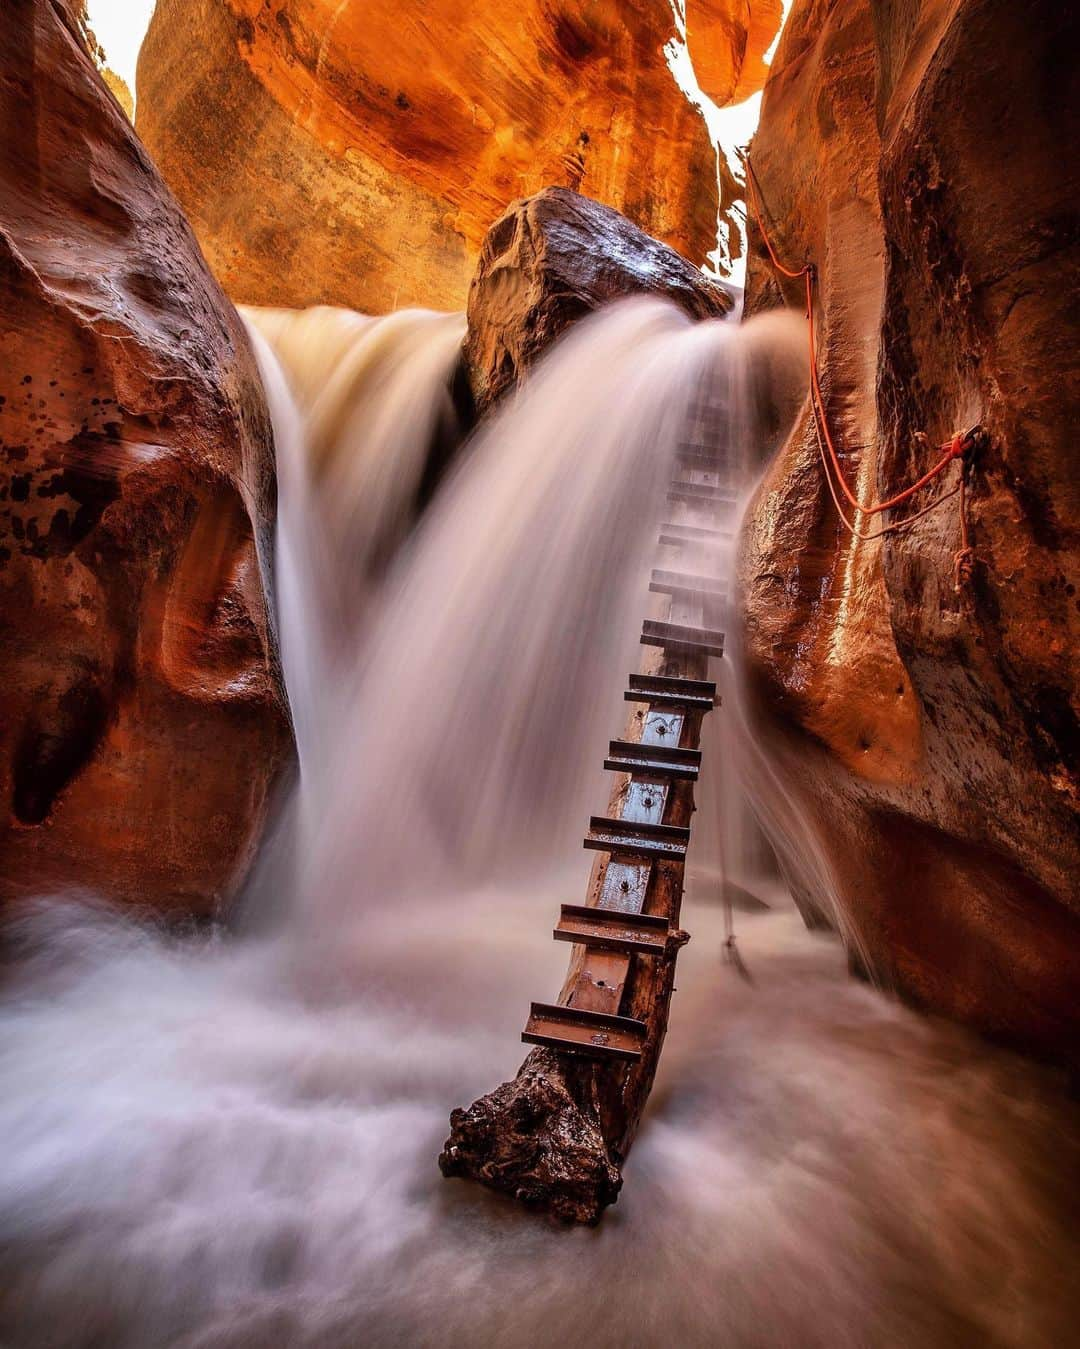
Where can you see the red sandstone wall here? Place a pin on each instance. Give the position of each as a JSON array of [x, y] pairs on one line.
[[357, 156], [144, 720], [919, 153]]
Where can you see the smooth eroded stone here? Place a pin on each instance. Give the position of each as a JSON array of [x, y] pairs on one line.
[[727, 42], [144, 718], [914, 152]]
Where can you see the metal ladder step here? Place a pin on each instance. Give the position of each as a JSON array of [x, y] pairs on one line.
[[682, 535], [682, 637], [701, 494], [694, 695], [631, 933], [594, 1035], [685, 583], [713, 408], [625, 838], [696, 456], [653, 761]]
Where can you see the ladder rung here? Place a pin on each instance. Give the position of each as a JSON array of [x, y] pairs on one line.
[[595, 1035], [695, 695], [694, 456], [654, 761], [701, 494], [683, 534], [682, 637], [683, 582], [629, 839], [586, 925]]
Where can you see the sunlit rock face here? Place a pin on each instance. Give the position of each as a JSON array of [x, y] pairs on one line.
[[915, 153], [727, 42], [357, 154], [549, 260], [143, 716]]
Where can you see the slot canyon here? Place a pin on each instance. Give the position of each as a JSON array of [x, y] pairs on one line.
[[403, 404]]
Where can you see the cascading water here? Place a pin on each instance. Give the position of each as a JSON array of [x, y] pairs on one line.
[[363, 410], [214, 1141]]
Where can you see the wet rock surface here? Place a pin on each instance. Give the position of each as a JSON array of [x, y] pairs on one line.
[[144, 716], [393, 137], [549, 260], [914, 152]]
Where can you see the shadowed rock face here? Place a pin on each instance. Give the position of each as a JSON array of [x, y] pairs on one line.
[[551, 259], [144, 719], [356, 155], [917, 153]]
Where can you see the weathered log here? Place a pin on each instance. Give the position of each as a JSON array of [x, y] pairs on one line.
[[539, 1138]]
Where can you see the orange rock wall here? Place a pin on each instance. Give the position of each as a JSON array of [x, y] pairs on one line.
[[727, 42], [357, 154], [917, 153], [144, 722]]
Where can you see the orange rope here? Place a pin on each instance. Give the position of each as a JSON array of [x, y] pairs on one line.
[[865, 535], [952, 449], [964, 557]]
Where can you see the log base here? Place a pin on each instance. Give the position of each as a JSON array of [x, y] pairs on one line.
[[539, 1140]]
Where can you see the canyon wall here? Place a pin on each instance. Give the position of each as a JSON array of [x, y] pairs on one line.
[[356, 155], [144, 719], [918, 154]]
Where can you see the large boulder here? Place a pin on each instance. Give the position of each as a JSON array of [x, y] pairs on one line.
[[917, 153], [144, 716], [356, 155], [549, 260]]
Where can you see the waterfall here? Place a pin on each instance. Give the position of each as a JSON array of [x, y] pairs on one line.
[[219, 1140], [485, 665]]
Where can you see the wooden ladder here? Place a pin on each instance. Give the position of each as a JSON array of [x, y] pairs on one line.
[[604, 1032]]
